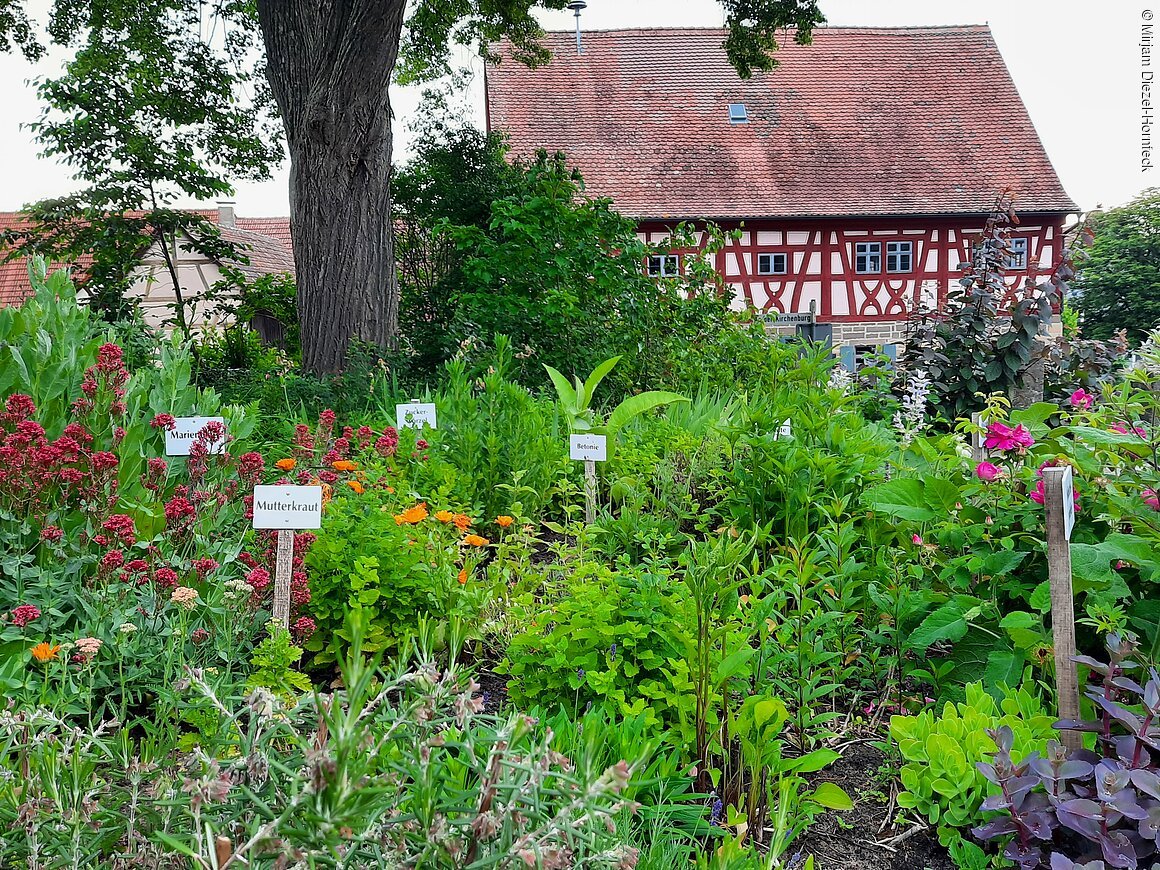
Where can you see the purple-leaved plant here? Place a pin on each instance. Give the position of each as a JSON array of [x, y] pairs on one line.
[[1085, 810]]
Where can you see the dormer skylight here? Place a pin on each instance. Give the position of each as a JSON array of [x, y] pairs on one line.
[[737, 114]]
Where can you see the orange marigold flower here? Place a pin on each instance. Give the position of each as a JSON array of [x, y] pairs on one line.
[[462, 522], [476, 541], [412, 515], [286, 464], [356, 486], [463, 575], [504, 521], [45, 652], [344, 465], [444, 516], [391, 490]]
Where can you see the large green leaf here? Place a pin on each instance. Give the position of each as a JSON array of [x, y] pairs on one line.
[[903, 498], [639, 404], [564, 391], [598, 374], [947, 623], [831, 796]]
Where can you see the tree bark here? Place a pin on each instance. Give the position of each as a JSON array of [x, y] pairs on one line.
[[329, 63]]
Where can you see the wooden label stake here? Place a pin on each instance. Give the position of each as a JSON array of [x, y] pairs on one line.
[[1059, 504], [978, 452], [590, 491], [282, 572]]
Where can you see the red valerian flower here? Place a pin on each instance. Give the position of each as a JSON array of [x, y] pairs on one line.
[[25, 614], [121, 525], [164, 421], [51, 534], [303, 627], [258, 579], [165, 578], [19, 407], [204, 567], [179, 513], [199, 635], [388, 442], [104, 461]]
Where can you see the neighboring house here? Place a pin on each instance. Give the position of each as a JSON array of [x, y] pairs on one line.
[[858, 171], [265, 242]]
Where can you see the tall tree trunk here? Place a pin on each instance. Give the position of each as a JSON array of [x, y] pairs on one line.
[[329, 63]]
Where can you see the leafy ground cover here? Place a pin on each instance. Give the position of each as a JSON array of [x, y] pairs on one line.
[[801, 631]]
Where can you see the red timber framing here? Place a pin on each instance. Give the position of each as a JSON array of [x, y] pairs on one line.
[[820, 262]]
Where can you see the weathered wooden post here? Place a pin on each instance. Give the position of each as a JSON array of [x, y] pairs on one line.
[[589, 491], [1059, 502], [283, 568], [978, 451]]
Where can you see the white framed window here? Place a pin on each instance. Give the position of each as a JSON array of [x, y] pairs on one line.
[[899, 256], [868, 257], [1017, 253], [772, 264], [664, 265]]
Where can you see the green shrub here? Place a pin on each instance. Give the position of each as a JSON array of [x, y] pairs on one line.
[[614, 635], [939, 774]]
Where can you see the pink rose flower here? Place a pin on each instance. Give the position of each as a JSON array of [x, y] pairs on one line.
[[987, 471], [916, 539], [1000, 436], [1081, 399], [1039, 494], [1151, 499]]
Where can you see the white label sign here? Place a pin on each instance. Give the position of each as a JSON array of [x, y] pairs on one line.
[[589, 447], [287, 507], [786, 430], [180, 439], [1068, 502], [415, 415]]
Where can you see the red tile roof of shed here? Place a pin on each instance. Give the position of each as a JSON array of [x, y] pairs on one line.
[[866, 121], [264, 240]]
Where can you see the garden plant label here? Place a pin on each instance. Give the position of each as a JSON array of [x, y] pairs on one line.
[[181, 436], [589, 447], [287, 507], [415, 415]]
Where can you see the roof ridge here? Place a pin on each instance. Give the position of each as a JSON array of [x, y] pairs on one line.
[[899, 28]]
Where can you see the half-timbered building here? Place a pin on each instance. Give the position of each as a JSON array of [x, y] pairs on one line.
[[858, 172]]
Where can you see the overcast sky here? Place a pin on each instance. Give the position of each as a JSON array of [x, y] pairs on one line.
[[1076, 65]]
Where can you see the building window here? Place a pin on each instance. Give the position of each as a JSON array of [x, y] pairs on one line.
[[1017, 254], [772, 264], [664, 266], [868, 257], [737, 114], [899, 256]]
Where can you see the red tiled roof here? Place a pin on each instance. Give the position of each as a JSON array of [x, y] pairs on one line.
[[265, 242], [866, 121]]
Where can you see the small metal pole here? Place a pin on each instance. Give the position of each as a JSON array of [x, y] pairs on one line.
[[282, 572], [577, 6]]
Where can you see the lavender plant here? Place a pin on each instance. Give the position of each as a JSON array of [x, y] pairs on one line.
[[1085, 810]]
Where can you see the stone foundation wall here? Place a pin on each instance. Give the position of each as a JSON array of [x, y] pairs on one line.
[[879, 332]]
